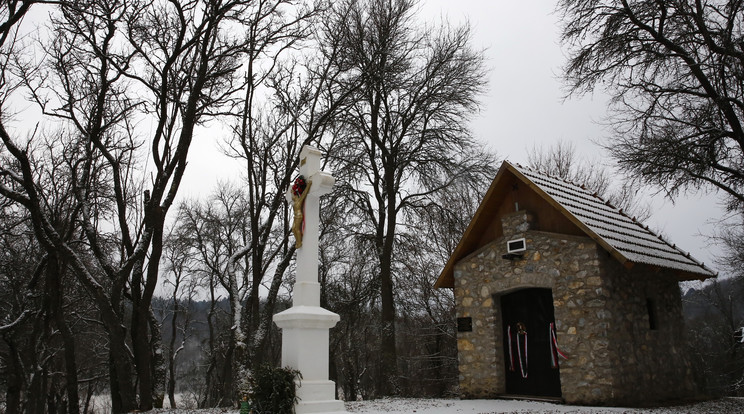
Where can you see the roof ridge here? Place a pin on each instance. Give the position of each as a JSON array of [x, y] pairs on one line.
[[582, 186], [572, 196], [587, 210]]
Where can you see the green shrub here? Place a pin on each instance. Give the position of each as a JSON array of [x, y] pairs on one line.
[[273, 389]]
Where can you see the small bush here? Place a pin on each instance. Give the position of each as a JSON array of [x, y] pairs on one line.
[[273, 389]]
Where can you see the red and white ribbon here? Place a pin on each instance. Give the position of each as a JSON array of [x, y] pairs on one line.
[[522, 367], [555, 352], [509, 339]]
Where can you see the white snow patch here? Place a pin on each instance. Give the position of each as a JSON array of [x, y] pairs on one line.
[[437, 406], [451, 406]]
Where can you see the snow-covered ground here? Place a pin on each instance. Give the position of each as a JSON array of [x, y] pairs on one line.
[[445, 406], [436, 406]]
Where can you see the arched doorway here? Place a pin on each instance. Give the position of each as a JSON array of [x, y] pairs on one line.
[[531, 367]]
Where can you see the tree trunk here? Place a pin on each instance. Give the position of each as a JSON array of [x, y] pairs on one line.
[[261, 338], [56, 296], [171, 346], [228, 376], [142, 356], [387, 298], [35, 394], [209, 394], [68, 338], [142, 340], [389, 357], [350, 376], [158, 361], [117, 403], [14, 384], [123, 395]]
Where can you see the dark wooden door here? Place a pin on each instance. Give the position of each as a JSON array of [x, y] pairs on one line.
[[527, 315]]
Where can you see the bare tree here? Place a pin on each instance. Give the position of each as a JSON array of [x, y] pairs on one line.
[[405, 136], [673, 70], [562, 161], [433, 233], [425, 316], [306, 91], [348, 287], [124, 87], [301, 95], [216, 230], [45, 316], [178, 259], [173, 62], [20, 308]]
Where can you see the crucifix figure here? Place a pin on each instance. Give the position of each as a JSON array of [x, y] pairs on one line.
[[305, 201], [297, 195], [305, 325]]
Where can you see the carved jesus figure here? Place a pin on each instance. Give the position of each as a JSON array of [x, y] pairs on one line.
[[298, 204]]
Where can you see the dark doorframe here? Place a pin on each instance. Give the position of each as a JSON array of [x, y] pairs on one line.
[[527, 315]]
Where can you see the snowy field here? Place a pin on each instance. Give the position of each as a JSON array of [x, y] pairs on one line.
[[443, 406], [435, 406]]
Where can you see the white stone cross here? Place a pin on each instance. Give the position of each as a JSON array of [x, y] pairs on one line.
[[305, 325], [307, 288]]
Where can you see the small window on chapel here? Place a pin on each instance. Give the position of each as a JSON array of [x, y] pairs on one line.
[[465, 324], [651, 308]]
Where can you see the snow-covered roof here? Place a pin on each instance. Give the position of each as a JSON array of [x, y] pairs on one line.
[[574, 210], [636, 242]]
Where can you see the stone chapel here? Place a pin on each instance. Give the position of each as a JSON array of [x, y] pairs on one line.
[[560, 295]]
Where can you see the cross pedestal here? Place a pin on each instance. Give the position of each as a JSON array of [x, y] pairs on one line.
[[305, 325]]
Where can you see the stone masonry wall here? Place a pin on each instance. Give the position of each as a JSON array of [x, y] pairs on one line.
[[568, 265], [650, 364], [601, 314]]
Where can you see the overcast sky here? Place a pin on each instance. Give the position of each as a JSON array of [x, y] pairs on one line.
[[524, 107]]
